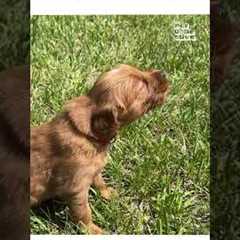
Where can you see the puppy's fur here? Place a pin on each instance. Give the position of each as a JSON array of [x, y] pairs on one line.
[[68, 154], [14, 153]]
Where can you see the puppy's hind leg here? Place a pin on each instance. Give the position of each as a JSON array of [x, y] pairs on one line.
[[105, 191], [81, 212]]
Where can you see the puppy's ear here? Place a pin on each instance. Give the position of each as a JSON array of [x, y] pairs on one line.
[[104, 123], [79, 113]]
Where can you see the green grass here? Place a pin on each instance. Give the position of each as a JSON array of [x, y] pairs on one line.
[[14, 33], [159, 164]]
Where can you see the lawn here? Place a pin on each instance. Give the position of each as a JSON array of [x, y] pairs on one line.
[[158, 164]]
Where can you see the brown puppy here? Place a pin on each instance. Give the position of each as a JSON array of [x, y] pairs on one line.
[[69, 153]]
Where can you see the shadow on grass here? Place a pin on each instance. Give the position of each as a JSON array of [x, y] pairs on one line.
[[51, 210], [56, 212]]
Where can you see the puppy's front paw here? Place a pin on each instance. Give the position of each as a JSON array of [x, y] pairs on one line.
[[109, 193], [94, 229]]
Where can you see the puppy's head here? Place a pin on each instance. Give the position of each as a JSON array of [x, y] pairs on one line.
[[118, 97], [130, 92]]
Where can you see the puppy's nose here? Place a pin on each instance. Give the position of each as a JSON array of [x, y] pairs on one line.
[[164, 74]]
